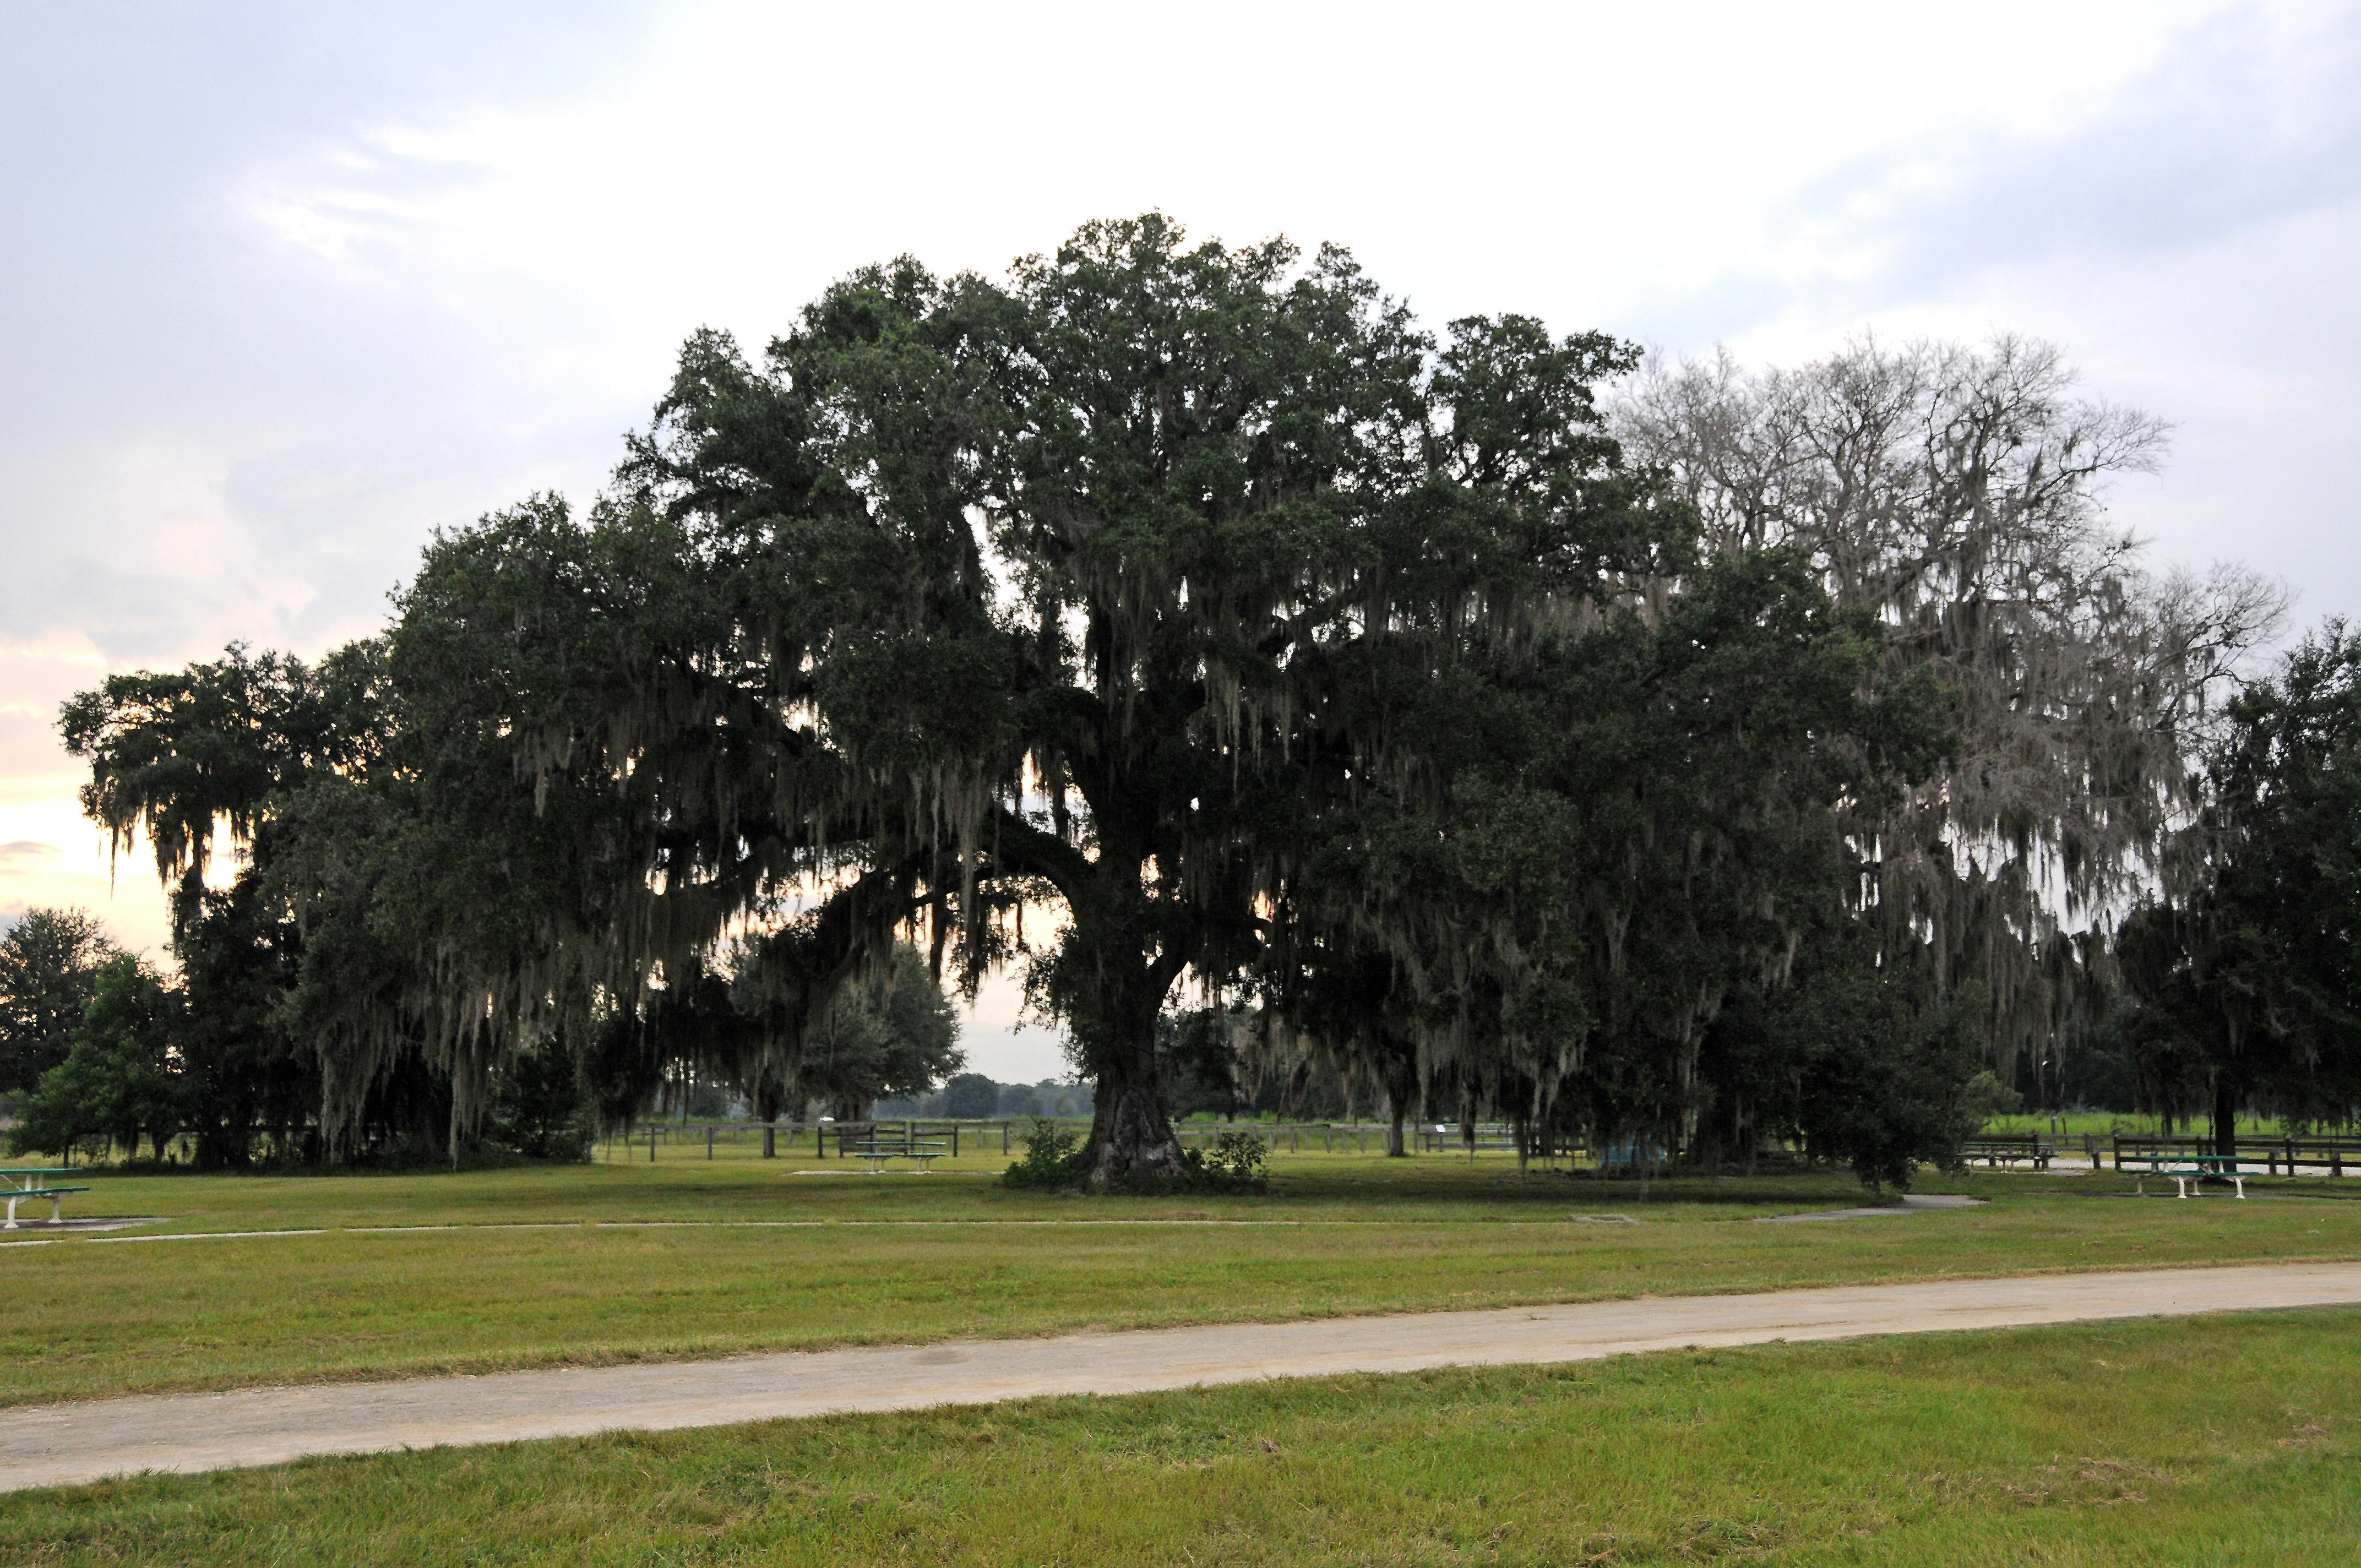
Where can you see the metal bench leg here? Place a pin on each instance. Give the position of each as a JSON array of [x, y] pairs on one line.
[[12, 1214], [57, 1214], [2241, 1187], [2182, 1182]]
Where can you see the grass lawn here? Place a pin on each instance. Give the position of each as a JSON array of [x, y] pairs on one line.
[[2221, 1441], [550, 1266], [2106, 1123]]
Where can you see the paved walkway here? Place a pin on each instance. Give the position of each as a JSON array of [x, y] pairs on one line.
[[55, 1444], [1911, 1204]]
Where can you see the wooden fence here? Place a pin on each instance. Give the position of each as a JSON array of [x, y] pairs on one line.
[[2274, 1155], [1003, 1136], [834, 1140]]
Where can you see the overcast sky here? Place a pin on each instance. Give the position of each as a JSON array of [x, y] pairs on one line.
[[285, 287]]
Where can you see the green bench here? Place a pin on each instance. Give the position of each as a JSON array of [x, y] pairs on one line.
[[20, 1183], [875, 1152], [2184, 1169]]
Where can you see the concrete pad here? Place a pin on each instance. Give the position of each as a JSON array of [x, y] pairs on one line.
[[1912, 1203]]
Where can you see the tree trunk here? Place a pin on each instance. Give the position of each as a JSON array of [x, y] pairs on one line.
[[1131, 1140], [1396, 1112], [2225, 1115], [766, 1111]]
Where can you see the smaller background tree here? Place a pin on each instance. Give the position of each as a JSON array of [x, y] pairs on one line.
[[118, 1080], [893, 1039], [48, 972], [971, 1096]]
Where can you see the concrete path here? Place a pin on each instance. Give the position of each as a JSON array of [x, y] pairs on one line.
[[1912, 1203], [56, 1444]]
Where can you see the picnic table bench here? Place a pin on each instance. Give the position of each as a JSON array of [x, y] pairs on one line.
[[18, 1183], [875, 1152], [2184, 1169]]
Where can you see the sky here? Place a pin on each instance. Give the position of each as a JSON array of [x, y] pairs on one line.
[[285, 288]]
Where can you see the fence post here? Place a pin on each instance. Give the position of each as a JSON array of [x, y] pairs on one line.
[[1004, 1138], [651, 1143]]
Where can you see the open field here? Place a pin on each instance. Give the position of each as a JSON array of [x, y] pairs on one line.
[[736, 1254], [2221, 1441]]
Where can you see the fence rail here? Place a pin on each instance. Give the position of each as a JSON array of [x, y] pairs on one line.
[[2286, 1151], [831, 1139]]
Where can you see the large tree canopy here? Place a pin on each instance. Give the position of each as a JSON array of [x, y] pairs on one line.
[[1093, 588], [1171, 612]]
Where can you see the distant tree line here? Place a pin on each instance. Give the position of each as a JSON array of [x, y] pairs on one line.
[[973, 1096], [1464, 723]]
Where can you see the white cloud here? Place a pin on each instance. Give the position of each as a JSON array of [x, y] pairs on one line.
[[1593, 150]]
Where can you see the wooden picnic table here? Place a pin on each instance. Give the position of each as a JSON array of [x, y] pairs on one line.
[[19, 1183]]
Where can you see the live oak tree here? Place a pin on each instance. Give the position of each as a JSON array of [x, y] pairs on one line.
[[1189, 604], [1956, 495], [281, 800], [195, 761], [1067, 590], [2245, 966]]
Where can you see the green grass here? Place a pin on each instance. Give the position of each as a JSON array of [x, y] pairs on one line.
[[2214, 1441], [746, 1255], [2106, 1123]]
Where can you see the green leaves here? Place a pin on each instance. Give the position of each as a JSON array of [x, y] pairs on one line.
[[2249, 979], [172, 755], [118, 1080], [49, 960]]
